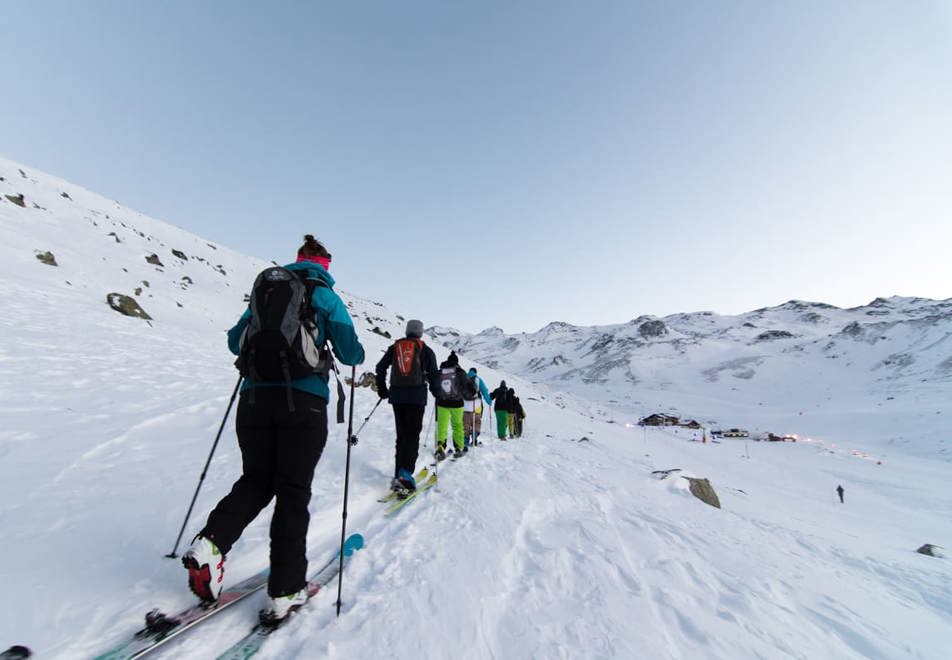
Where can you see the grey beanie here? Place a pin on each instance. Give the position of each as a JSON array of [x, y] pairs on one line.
[[414, 328]]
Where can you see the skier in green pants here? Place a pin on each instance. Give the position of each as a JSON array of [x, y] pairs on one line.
[[449, 406], [500, 396]]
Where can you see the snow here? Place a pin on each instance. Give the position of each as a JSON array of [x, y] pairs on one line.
[[561, 544]]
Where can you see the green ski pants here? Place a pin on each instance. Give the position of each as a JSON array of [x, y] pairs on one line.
[[502, 424], [446, 417]]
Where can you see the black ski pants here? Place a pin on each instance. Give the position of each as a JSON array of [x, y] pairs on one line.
[[409, 422], [279, 451]]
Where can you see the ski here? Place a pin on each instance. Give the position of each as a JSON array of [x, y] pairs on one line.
[[422, 487], [160, 627], [392, 495], [251, 643]]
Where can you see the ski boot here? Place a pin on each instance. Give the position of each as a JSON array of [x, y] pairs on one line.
[[281, 607], [206, 569]]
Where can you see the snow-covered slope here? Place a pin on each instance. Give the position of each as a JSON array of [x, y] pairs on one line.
[[561, 544], [805, 368]]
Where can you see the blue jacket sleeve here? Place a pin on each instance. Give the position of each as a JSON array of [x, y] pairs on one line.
[[484, 391], [335, 324], [234, 335]]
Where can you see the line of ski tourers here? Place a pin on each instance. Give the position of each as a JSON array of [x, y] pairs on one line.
[[286, 343], [459, 396]]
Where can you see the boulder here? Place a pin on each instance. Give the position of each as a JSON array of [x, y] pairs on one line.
[[179, 254], [154, 260], [930, 550], [126, 305], [704, 491], [382, 333], [17, 199], [47, 258], [367, 379]]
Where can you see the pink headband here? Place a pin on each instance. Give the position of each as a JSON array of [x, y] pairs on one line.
[[321, 261]]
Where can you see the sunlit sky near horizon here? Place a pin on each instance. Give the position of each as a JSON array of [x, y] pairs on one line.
[[512, 164]]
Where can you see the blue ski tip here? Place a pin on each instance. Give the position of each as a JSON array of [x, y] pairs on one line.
[[353, 542]]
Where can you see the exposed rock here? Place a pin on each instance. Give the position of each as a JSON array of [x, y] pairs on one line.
[[47, 258], [382, 333], [126, 305], [115, 236], [664, 474], [187, 280], [154, 260], [930, 550], [367, 379], [220, 269], [145, 283], [655, 328], [854, 329], [179, 254], [22, 173], [704, 491], [65, 195], [17, 199], [771, 335], [138, 291]]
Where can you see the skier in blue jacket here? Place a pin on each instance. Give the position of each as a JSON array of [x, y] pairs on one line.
[[282, 429]]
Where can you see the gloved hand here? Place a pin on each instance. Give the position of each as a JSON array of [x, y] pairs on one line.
[[384, 393]]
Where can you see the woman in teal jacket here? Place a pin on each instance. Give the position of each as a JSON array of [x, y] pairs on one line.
[[281, 433]]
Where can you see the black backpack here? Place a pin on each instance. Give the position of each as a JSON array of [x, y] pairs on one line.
[[470, 389], [450, 388], [280, 340], [407, 366]]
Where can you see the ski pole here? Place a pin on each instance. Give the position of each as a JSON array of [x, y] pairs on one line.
[[201, 479], [367, 418], [351, 441]]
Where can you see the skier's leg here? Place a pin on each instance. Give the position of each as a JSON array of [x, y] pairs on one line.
[[456, 417], [255, 488], [301, 438], [442, 426]]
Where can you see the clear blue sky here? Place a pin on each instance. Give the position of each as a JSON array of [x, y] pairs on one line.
[[514, 163]]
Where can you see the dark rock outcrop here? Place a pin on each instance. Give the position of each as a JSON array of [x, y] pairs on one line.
[[126, 305], [155, 261], [930, 550], [179, 254], [17, 199], [654, 328], [771, 335]]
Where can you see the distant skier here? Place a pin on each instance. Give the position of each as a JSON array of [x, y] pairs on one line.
[[500, 396], [511, 420], [451, 380], [475, 392], [518, 414], [840, 491], [412, 366], [281, 422]]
